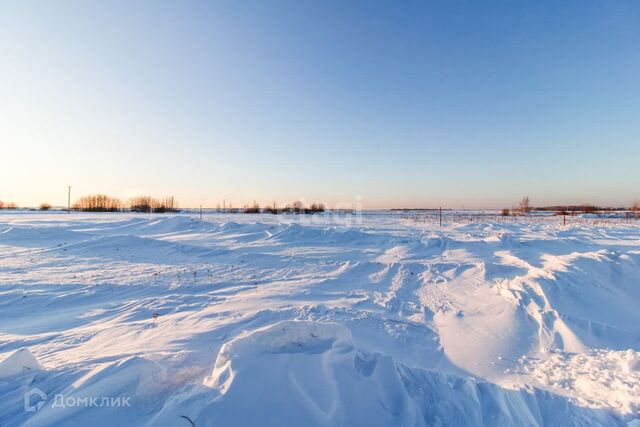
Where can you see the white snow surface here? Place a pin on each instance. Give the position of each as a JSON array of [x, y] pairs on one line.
[[242, 320]]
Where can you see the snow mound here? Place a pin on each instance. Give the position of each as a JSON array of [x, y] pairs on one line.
[[297, 372], [18, 362], [296, 233], [174, 224], [311, 372], [230, 225]]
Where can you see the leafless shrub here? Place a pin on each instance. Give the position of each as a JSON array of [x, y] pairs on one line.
[[1, 204], [45, 207], [298, 207], [505, 212]]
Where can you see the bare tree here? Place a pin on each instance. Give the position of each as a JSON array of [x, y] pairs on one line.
[[525, 205], [45, 207]]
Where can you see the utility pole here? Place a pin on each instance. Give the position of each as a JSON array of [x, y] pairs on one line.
[[200, 212], [69, 201], [440, 216]]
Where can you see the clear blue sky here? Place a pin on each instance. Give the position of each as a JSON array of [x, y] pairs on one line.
[[413, 103]]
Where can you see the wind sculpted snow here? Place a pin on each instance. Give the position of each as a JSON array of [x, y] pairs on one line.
[[283, 321]]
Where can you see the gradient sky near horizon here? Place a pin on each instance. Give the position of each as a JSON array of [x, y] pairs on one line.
[[396, 104]]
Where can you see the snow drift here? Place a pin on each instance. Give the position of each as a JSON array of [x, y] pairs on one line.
[[230, 321], [310, 373]]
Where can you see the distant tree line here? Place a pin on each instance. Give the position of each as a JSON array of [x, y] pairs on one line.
[[97, 203], [105, 203], [524, 207], [9, 205], [296, 207], [147, 204]]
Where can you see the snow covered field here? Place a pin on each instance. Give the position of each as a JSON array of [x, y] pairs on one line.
[[118, 319]]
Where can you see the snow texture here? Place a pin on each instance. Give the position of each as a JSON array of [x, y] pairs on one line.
[[300, 321]]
